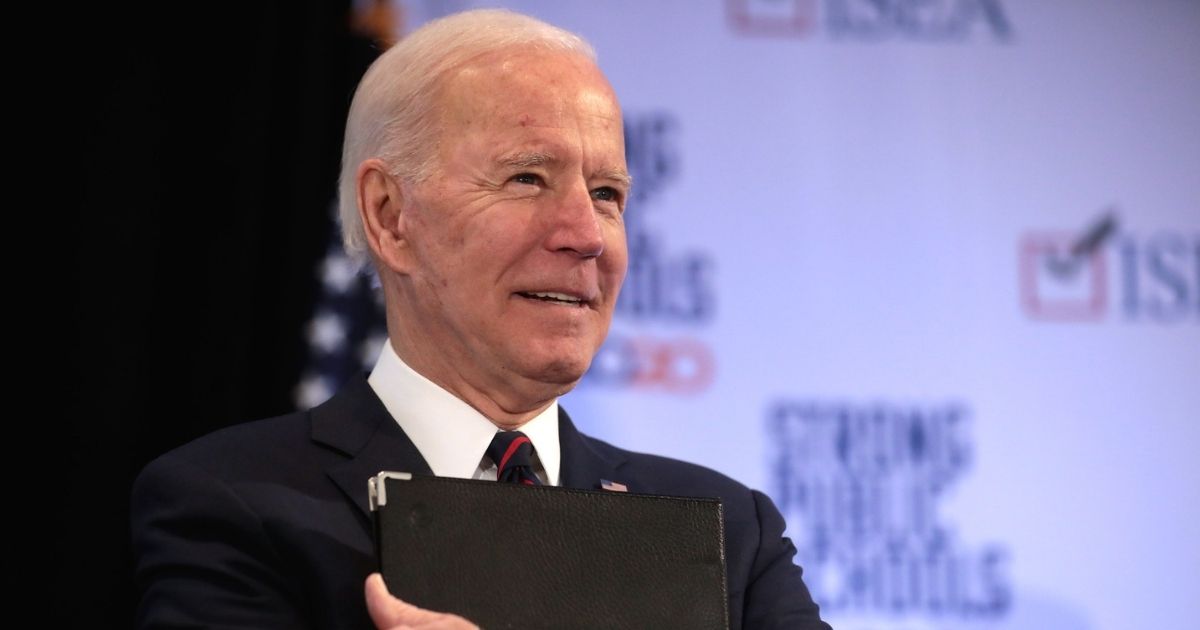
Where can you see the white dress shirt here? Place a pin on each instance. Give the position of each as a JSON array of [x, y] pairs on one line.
[[450, 434]]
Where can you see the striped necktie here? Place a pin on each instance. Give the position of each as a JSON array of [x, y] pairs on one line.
[[512, 452]]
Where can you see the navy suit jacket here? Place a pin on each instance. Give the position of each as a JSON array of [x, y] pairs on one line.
[[266, 524]]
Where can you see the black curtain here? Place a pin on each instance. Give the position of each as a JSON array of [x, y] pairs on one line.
[[211, 140]]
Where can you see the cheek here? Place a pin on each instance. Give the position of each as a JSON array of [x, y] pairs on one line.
[[444, 250], [616, 256]]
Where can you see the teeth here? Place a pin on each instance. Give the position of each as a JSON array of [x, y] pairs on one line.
[[561, 297]]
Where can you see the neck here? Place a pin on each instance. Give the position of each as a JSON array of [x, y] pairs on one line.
[[504, 407]]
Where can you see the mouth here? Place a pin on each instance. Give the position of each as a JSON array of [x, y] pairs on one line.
[[554, 297]]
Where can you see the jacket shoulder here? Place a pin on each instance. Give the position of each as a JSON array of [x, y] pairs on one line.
[[665, 475], [235, 450]]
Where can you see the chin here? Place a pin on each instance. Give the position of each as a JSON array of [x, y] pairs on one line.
[[563, 374], [562, 371]]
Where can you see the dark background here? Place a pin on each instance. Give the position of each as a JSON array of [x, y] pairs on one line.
[[211, 139]]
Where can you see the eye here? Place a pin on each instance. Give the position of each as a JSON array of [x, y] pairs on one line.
[[530, 179], [606, 193]]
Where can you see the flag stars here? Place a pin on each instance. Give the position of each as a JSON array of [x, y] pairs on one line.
[[347, 328], [338, 273], [312, 391], [326, 332]]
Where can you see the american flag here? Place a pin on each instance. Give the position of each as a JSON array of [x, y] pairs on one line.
[[347, 328], [613, 486]]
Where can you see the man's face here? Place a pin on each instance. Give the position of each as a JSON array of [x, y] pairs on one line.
[[517, 237]]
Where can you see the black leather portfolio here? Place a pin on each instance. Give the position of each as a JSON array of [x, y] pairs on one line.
[[514, 556]]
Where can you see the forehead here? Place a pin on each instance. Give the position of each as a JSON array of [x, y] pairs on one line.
[[529, 94]]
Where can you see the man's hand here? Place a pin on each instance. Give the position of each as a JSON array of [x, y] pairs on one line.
[[390, 613]]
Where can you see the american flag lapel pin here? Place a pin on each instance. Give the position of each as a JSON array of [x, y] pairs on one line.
[[613, 486]]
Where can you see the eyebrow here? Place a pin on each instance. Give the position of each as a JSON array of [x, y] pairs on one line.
[[525, 159], [617, 175]]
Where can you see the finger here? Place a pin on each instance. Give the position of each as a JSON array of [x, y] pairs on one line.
[[386, 610]]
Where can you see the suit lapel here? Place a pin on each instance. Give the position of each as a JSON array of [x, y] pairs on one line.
[[356, 423], [586, 461]]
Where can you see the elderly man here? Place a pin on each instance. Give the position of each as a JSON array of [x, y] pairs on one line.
[[484, 176]]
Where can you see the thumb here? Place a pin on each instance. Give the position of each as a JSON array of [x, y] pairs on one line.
[[385, 609], [388, 611]]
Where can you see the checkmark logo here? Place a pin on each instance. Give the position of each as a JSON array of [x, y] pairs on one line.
[[1063, 275]]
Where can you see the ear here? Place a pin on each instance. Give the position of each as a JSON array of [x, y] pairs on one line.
[[380, 205]]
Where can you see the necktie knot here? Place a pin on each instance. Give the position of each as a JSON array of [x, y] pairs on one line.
[[512, 453]]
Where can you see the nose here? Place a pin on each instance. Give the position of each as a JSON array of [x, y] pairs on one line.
[[575, 224]]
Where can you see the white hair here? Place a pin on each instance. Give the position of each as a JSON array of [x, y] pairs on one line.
[[392, 114]]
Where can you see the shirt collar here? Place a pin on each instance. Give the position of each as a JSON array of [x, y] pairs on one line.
[[451, 435]]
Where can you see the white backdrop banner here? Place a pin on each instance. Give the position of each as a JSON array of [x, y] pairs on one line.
[[928, 273]]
